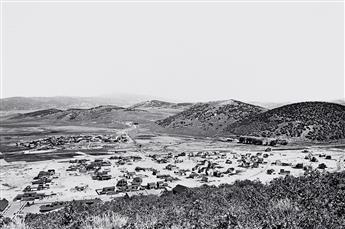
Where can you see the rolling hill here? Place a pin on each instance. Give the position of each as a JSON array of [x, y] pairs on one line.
[[63, 102], [97, 115], [209, 118], [316, 121], [157, 104]]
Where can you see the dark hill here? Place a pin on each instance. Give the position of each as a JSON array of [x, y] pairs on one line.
[[316, 121], [209, 118]]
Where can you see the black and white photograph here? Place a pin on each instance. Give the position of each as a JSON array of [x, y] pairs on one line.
[[172, 114]]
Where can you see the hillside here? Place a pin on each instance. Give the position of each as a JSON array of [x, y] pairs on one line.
[[317, 121], [97, 115], [211, 117], [152, 104], [315, 200]]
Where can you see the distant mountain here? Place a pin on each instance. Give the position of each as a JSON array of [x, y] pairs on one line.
[[316, 121], [39, 103], [272, 105], [209, 118], [151, 104], [109, 115]]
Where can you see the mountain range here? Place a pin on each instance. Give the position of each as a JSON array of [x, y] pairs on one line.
[[310, 121]]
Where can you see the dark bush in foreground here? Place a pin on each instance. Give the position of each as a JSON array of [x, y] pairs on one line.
[[314, 200]]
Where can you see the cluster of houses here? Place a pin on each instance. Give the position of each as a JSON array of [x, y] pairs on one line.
[[84, 165], [261, 141], [122, 160], [131, 185], [57, 205], [310, 157], [53, 141], [40, 182]]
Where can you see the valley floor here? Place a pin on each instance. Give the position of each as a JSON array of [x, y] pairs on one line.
[[15, 176]]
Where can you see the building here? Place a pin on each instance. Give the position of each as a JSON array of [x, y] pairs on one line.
[[3, 204], [179, 189]]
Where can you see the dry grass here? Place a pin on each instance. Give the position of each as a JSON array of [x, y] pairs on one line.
[[17, 223], [106, 221]]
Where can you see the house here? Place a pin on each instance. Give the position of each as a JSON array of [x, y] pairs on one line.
[[81, 187], [193, 175], [170, 167], [182, 154], [217, 173], [29, 196], [102, 177], [322, 166], [27, 189], [161, 184], [298, 166], [152, 185], [121, 183], [137, 181], [169, 178], [278, 163], [42, 174], [129, 175], [230, 170], [162, 176], [105, 190], [131, 188], [270, 171], [204, 179], [179, 189], [51, 171], [52, 206], [3, 204], [313, 159], [284, 172], [138, 169]]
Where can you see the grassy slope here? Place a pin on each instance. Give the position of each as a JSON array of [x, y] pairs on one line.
[[312, 201], [318, 121], [209, 118]]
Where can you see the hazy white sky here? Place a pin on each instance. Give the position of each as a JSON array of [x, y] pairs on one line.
[[185, 51]]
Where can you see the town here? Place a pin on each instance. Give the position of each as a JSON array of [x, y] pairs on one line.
[[143, 168]]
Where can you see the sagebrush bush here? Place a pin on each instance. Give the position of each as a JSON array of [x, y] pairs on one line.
[[315, 200]]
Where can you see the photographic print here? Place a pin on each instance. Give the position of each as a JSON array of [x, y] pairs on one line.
[[160, 114]]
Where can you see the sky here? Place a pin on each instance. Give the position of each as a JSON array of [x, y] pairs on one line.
[[268, 52]]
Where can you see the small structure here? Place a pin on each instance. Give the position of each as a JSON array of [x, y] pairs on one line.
[[313, 159], [322, 166], [268, 149], [106, 190], [3, 204], [284, 172], [270, 171], [151, 185], [299, 166], [52, 206], [137, 181], [121, 183], [204, 179], [179, 189]]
